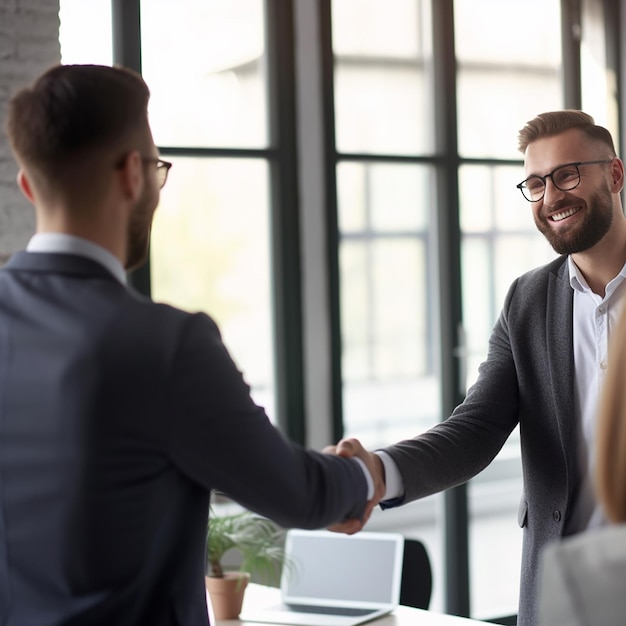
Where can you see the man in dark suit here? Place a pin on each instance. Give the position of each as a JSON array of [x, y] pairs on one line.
[[118, 416], [547, 353]]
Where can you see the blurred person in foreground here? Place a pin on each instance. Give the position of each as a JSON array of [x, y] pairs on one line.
[[119, 416], [547, 352], [583, 578]]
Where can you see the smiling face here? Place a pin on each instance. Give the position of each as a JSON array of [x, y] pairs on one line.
[[576, 220]]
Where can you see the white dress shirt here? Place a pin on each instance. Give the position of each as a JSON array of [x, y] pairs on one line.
[[594, 319]]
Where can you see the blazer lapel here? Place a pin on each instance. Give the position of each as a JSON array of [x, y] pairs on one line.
[[559, 340]]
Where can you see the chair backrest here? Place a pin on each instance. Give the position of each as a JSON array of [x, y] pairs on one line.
[[417, 580]]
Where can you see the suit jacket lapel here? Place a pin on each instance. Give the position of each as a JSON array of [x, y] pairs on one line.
[[560, 343]]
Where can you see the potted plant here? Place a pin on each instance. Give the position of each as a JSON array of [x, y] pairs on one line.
[[259, 544]]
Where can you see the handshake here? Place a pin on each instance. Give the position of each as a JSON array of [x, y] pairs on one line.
[[353, 448]]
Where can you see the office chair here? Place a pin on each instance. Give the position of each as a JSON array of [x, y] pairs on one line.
[[417, 582]]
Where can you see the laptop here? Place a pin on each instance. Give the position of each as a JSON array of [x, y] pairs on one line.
[[336, 579]]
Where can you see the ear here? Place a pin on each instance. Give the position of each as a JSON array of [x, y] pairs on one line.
[[131, 175], [617, 175], [24, 185]]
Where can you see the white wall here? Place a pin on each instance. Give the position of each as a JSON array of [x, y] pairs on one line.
[[29, 43]]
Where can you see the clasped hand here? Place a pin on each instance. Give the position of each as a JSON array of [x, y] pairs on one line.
[[353, 448]]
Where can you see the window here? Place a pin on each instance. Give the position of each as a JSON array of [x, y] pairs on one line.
[[210, 247], [85, 32], [506, 75], [210, 252], [211, 88], [382, 99]]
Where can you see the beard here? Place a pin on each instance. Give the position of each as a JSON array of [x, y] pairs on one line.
[[139, 228], [586, 233]]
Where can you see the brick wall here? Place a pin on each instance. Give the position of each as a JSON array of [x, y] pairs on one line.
[[29, 44]]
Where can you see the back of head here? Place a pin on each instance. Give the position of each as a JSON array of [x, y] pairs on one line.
[[557, 122], [611, 434], [75, 113]]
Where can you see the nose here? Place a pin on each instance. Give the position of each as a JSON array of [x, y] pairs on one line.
[[551, 191]]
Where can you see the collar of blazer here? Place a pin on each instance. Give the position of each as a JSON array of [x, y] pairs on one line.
[[57, 263]]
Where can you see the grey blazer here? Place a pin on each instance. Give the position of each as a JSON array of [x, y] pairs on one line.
[[582, 580], [528, 377], [118, 416]]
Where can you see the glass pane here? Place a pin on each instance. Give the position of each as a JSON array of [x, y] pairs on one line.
[[382, 87], [211, 252], [499, 242], [493, 107], [507, 72], [210, 88], [495, 538], [530, 34], [389, 362], [600, 94], [390, 350], [390, 191], [363, 27], [85, 32]]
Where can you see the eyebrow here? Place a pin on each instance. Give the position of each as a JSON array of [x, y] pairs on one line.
[[552, 169], [578, 162]]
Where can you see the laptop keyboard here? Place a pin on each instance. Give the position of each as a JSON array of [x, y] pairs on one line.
[[327, 610]]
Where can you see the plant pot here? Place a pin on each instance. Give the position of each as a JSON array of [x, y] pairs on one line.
[[227, 593]]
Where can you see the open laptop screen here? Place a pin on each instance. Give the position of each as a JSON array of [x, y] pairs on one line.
[[330, 568]]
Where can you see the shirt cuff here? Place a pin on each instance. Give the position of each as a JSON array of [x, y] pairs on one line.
[[368, 477], [394, 484]]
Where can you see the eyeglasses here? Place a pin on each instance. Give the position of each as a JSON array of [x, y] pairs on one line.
[[163, 168], [565, 177]]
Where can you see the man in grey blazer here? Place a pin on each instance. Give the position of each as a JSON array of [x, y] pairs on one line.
[[547, 353], [118, 416]]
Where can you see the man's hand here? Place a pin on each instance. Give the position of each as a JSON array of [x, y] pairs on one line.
[[353, 448]]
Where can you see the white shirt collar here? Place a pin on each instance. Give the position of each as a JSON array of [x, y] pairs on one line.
[[577, 280], [70, 244]]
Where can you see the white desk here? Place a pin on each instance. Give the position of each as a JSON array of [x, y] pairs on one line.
[[402, 616]]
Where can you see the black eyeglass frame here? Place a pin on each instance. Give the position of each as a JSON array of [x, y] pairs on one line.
[[163, 167], [521, 186]]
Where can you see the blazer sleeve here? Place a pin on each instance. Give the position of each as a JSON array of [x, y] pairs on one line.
[[221, 439]]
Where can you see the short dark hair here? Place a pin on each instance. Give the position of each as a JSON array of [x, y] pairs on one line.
[[73, 111], [557, 122]]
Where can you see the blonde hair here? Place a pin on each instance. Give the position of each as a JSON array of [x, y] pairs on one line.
[[610, 476], [557, 122]]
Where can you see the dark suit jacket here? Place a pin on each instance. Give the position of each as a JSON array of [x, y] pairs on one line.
[[528, 377], [117, 418]]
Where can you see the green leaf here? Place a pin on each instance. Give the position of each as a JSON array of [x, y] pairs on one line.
[[257, 539]]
